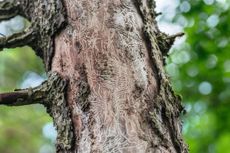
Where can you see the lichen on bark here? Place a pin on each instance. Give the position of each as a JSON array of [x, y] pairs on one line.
[[167, 100], [57, 107]]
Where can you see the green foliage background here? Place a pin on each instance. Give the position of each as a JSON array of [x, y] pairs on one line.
[[21, 128], [199, 68], [200, 72]]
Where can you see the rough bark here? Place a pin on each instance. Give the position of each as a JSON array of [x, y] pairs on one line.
[[117, 98]]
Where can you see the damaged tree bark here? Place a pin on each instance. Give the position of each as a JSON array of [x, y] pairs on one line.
[[106, 90]]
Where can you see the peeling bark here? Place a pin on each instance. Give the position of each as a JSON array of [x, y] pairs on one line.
[[118, 98]]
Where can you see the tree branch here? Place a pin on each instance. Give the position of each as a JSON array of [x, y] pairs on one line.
[[165, 41], [41, 94], [27, 96], [179, 34], [16, 98], [18, 39]]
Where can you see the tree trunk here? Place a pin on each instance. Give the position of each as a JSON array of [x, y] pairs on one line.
[[110, 93]]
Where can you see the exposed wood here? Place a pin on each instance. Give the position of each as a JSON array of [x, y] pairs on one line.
[[119, 94]]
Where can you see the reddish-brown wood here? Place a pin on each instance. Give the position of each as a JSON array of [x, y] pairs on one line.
[[113, 84]]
